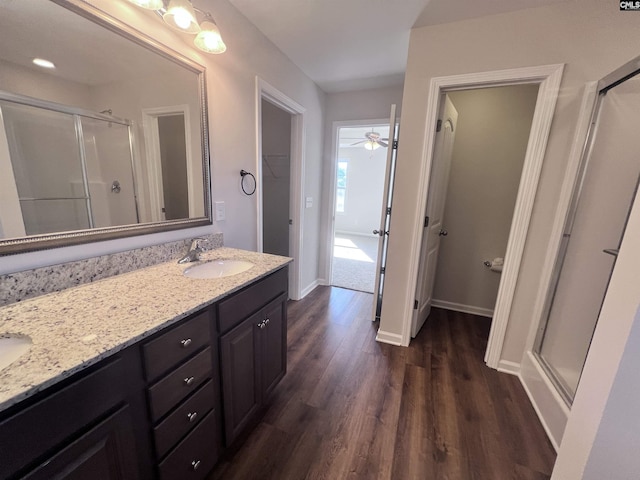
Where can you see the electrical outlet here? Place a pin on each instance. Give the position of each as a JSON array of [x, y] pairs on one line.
[[220, 211]]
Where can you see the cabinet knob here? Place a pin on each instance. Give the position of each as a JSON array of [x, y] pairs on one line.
[[195, 464], [185, 343], [189, 380], [192, 416]]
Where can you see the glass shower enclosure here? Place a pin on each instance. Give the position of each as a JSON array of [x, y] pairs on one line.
[[78, 175]]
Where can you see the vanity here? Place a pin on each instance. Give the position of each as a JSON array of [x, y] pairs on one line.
[[149, 374]]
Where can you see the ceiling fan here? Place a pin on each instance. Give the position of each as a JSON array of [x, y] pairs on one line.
[[372, 141]]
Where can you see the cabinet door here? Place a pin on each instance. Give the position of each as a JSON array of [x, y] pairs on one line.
[[106, 452], [274, 345], [240, 375]]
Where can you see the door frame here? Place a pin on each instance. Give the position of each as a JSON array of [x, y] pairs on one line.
[[548, 77], [268, 92], [335, 149], [154, 163]]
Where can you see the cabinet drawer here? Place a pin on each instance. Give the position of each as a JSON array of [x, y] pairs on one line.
[[169, 391], [195, 456], [183, 419], [46, 424], [168, 350], [237, 308]]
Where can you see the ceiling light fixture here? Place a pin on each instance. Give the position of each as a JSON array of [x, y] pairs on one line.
[[41, 62], [181, 15], [370, 145]]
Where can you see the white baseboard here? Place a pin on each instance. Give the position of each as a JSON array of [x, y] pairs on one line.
[[458, 307], [310, 288], [551, 409], [390, 338], [507, 366]]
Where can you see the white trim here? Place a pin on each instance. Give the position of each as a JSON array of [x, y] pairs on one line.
[[152, 146], [390, 338], [551, 409], [356, 234], [297, 111], [310, 288], [335, 149], [507, 366], [548, 77], [459, 307]]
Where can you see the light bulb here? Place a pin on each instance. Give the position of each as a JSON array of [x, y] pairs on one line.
[[209, 39], [181, 16]]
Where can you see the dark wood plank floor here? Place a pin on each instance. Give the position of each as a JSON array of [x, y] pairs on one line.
[[352, 408]]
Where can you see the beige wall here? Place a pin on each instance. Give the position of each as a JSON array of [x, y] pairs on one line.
[[591, 40], [490, 144]]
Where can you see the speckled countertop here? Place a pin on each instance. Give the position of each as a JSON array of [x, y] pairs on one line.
[[77, 327]]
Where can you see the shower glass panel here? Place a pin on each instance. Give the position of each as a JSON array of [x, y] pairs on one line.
[[107, 150], [592, 236], [46, 171]]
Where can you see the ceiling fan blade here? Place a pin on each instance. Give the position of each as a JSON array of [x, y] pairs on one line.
[[384, 144], [358, 143]]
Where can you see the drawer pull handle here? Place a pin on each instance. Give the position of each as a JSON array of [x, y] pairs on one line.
[[262, 324], [185, 343], [195, 464], [189, 381], [266, 322], [192, 416]]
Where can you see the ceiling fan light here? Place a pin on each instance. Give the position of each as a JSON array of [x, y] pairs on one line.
[[209, 39], [370, 145], [148, 4], [181, 16]]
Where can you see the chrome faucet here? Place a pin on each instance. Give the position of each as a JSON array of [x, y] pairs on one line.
[[193, 255]]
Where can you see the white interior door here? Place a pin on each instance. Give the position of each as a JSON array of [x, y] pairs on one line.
[[434, 229], [385, 216]]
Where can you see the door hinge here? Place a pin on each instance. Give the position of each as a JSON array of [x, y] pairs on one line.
[[415, 304], [395, 145], [382, 270], [426, 222], [439, 125], [388, 210]]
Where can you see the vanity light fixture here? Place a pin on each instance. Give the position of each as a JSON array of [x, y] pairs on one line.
[[41, 62], [181, 15], [209, 39]]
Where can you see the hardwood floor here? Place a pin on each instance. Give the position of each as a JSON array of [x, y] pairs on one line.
[[352, 408]]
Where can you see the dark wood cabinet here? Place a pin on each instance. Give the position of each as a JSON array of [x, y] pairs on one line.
[[156, 408], [253, 361], [90, 426]]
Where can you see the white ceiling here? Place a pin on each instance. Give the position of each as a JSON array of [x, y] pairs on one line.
[[356, 44]]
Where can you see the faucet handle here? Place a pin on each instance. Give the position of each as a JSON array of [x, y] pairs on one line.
[[195, 243]]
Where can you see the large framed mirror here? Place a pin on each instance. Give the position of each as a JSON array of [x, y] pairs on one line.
[[108, 140]]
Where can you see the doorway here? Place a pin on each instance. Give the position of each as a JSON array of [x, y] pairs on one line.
[[360, 165], [280, 167], [480, 148]]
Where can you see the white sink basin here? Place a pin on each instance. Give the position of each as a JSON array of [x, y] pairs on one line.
[[12, 347], [218, 269]]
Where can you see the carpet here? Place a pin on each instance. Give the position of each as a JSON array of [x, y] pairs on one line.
[[354, 262]]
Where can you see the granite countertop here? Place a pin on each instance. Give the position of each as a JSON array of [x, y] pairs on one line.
[[77, 327]]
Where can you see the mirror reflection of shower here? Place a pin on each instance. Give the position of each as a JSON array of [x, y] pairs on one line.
[[62, 182]]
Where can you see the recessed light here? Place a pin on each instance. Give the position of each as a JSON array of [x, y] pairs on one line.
[[41, 62]]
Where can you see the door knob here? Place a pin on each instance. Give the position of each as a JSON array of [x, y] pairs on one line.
[[443, 233]]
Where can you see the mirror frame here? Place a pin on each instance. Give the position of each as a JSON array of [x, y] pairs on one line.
[[77, 237]]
